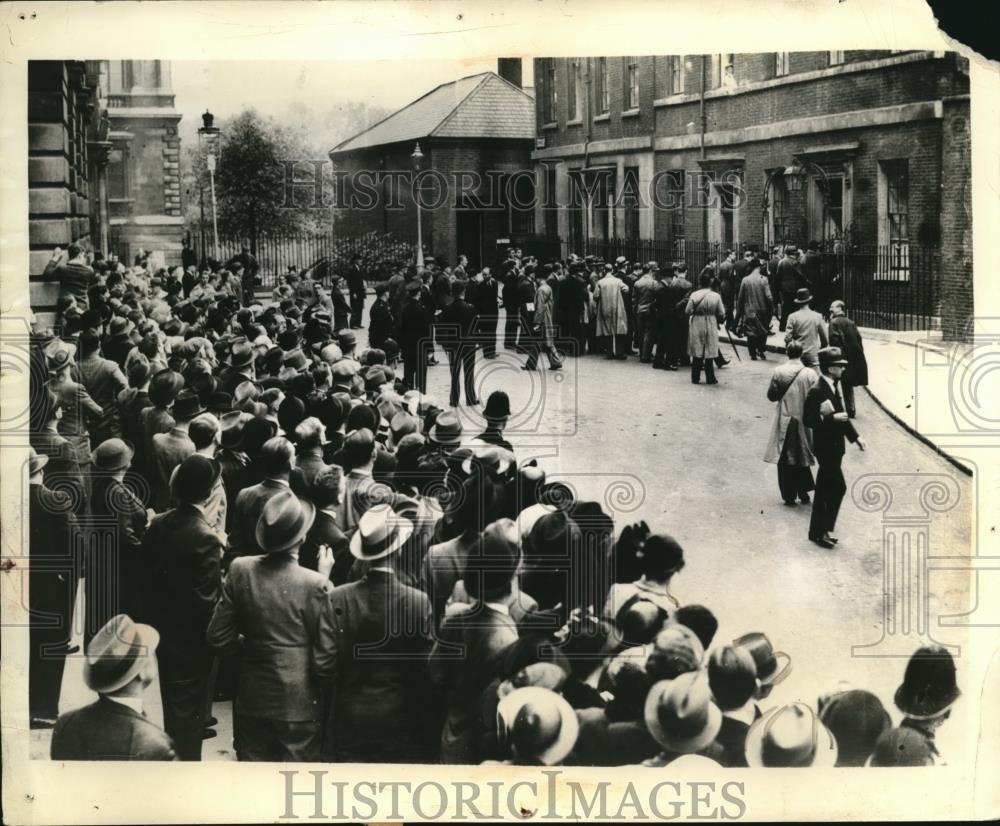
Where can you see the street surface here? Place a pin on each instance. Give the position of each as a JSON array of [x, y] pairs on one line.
[[686, 458]]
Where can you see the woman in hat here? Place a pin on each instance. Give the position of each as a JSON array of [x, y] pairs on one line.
[[379, 713], [124, 571], [280, 614]]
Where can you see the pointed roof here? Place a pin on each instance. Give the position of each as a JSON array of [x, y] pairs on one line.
[[477, 106]]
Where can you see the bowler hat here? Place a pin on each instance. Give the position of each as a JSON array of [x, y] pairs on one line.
[[902, 746], [220, 401], [789, 737], [111, 455], [497, 405], [164, 387], [680, 714], [187, 405], [829, 356], [381, 531], [447, 430], [193, 479], [802, 296], [538, 723], [120, 326], [856, 719], [117, 653], [284, 522], [767, 660], [928, 688]]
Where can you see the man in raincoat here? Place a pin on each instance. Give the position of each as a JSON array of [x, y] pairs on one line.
[[612, 320]]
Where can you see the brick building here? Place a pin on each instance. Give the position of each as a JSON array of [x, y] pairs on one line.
[[859, 150], [482, 124], [103, 163]]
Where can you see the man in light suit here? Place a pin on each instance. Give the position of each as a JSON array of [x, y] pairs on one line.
[[119, 667], [281, 614], [806, 327], [277, 458], [825, 414], [185, 554]]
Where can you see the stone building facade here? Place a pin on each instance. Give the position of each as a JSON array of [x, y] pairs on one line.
[[854, 149], [103, 164]]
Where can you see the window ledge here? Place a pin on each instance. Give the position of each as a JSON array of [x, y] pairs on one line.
[[602, 118], [630, 113], [574, 122], [553, 125]]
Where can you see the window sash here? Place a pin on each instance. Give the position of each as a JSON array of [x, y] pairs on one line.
[[675, 76], [572, 97], [602, 86], [550, 91], [632, 82]]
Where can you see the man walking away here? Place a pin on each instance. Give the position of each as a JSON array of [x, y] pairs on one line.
[[457, 326], [844, 334], [543, 328], [824, 413], [644, 295], [754, 309], [788, 277], [789, 444], [706, 312], [806, 327]]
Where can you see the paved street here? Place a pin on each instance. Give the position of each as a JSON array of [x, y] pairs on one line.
[[687, 459]]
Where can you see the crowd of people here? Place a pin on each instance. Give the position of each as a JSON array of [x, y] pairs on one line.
[[264, 513]]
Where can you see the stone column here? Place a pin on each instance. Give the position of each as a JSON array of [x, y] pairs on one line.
[[101, 155]]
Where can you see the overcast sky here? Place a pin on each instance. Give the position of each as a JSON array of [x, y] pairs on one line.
[[226, 87]]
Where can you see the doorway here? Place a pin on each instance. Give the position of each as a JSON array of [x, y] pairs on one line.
[[469, 236]]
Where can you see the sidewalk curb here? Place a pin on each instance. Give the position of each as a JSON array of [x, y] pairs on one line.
[[957, 464]]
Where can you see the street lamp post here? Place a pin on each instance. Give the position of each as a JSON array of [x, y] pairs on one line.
[[417, 156], [207, 137]]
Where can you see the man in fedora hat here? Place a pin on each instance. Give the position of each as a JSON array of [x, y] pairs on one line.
[[51, 590], [362, 491], [125, 570], [446, 432], [537, 725], [789, 278], [185, 553], [171, 448], [231, 458], [240, 368], [732, 678], [280, 614], [928, 692], [682, 718], [790, 736], [824, 413], [277, 459], [806, 327], [483, 631], [383, 635], [119, 667]]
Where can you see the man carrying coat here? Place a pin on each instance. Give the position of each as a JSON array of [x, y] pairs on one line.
[[825, 414]]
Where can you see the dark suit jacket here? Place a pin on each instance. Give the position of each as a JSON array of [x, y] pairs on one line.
[[414, 329], [307, 467], [844, 334], [128, 566], [456, 324], [325, 531], [382, 639], [168, 451], [249, 505], [828, 434], [185, 554], [107, 730], [281, 614]]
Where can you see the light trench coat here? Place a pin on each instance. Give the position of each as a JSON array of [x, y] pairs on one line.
[[706, 312], [611, 317], [787, 424]]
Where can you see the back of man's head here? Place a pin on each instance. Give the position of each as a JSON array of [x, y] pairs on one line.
[[277, 456]]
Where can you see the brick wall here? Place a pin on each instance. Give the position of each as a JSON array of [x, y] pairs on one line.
[[958, 308], [59, 93]]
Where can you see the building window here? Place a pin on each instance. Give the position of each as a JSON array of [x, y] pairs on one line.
[[632, 82], [549, 91], [631, 202], [894, 230], [675, 74], [836, 58], [551, 208], [778, 209], [714, 79], [728, 62], [573, 91], [601, 86], [119, 174], [781, 64], [675, 205], [602, 184]]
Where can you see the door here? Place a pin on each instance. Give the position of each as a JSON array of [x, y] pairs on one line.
[[469, 236], [827, 210]]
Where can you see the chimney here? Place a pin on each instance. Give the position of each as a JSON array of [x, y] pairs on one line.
[[509, 68]]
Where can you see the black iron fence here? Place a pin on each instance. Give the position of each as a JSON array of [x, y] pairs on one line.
[[890, 287], [322, 253]]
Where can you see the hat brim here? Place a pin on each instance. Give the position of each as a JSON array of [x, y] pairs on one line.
[[149, 638], [569, 727], [803, 300], [260, 531], [404, 533], [434, 436], [682, 745], [825, 755]]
